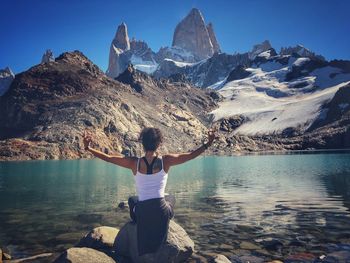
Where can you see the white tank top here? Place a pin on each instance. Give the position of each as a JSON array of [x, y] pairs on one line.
[[149, 186]]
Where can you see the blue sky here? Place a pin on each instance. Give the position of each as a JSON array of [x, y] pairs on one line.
[[28, 28]]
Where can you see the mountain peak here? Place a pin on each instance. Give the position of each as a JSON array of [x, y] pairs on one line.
[[259, 48], [301, 51], [192, 35], [213, 39], [48, 56], [121, 39]]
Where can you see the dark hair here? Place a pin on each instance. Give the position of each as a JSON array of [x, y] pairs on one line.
[[151, 138]]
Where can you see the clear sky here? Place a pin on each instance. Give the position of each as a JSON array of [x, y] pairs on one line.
[[28, 28]]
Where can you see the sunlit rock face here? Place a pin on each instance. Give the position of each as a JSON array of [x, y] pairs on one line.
[[213, 39], [120, 44], [192, 35]]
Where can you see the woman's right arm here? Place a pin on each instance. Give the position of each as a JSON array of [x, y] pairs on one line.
[[118, 159], [179, 158]]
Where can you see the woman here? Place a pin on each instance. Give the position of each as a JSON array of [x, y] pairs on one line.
[[149, 209]]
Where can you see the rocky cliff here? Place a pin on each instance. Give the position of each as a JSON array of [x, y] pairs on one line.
[[192, 35], [47, 108]]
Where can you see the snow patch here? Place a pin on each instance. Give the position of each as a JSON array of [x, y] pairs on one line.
[[143, 65], [300, 62]]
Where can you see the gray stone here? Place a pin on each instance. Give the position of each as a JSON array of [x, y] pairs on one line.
[[178, 247], [213, 39], [99, 238], [219, 259], [42, 258], [245, 259], [83, 255]]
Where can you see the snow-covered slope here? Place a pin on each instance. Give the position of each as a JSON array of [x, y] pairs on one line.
[[271, 104]]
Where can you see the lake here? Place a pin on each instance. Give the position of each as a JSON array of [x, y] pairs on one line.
[[268, 205]]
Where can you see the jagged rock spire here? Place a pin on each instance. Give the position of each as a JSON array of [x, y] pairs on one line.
[[120, 44], [213, 39], [121, 39], [192, 35]]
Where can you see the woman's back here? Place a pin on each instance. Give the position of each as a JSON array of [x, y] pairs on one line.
[[151, 184]]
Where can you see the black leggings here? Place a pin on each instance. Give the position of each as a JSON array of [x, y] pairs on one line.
[[132, 201]]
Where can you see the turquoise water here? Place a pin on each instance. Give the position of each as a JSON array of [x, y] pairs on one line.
[[222, 202]]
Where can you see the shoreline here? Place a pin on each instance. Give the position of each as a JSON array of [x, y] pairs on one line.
[[224, 154]]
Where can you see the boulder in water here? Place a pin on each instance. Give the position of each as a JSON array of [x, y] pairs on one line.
[[178, 247], [83, 255], [99, 238]]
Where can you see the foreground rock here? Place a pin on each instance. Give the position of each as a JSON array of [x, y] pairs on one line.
[[178, 247], [83, 255], [42, 258], [99, 238]]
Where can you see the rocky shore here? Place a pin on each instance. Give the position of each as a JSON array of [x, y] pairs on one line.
[[106, 244]]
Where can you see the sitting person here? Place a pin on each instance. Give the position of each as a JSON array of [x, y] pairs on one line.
[[150, 209]]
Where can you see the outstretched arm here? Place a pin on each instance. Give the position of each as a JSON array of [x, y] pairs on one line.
[[175, 159], [118, 159]]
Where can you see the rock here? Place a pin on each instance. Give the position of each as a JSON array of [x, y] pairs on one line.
[[272, 244], [248, 245], [338, 256], [301, 257], [0, 255], [6, 78], [238, 72], [214, 69], [42, 258], [259, 48], [120, 43], [246, 259], [300, 51], [6, 256], [178, 247], [123, 204], [192, 35], [83, 255], [99, 238], [213, 39], [219, 259], [48, 56]]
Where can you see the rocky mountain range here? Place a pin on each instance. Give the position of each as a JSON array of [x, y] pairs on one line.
[[261, 100], [48, 107]]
